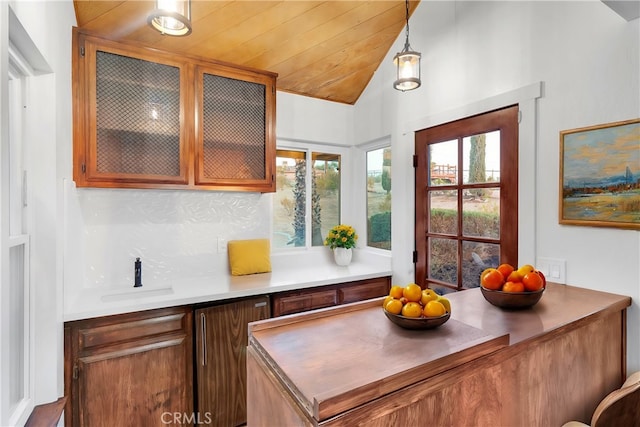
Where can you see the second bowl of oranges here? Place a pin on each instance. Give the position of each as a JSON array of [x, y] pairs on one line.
[[512, 288], [411, 307], [513, 300]]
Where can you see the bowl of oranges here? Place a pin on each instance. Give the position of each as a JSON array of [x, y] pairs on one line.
[[411, 307], [512, 288]]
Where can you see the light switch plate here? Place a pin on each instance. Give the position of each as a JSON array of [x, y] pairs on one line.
[[554, 269]]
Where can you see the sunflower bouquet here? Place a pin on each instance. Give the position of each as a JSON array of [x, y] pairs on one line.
[[341, 236]]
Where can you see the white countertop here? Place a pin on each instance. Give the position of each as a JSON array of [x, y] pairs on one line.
[[289, 272]]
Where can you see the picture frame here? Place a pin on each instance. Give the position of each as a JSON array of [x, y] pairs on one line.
[[600, 175]]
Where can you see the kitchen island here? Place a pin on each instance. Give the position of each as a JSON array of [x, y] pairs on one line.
[[486, 366]]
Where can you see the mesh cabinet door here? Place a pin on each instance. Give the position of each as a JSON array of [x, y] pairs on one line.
[[137, 129], [234, 131]]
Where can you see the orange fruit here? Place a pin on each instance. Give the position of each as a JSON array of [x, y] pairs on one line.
[[532, 281], [513, 287], [544, 279], [434, 309], [505, 269], [428, 295], [412, 309], [394, 306], [396, 291], [485, 271], [386, 300], [492, 279], [515, 276], [412, 292]]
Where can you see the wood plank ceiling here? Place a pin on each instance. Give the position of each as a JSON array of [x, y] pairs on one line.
[[322, 49]]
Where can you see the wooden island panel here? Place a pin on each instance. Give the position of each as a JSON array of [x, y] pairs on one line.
[[345, 357], [565, 355], [562, 377], [273, 404]]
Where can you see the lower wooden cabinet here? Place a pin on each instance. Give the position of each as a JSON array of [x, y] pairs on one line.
[[221, 349], [138, 368], [130, 369], [326, 296]]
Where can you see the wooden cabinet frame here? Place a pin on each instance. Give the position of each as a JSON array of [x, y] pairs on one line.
[[85, 110], [269, 111], [85, 172], [145, 358]]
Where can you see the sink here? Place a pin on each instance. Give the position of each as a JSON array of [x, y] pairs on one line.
[[135, 293]]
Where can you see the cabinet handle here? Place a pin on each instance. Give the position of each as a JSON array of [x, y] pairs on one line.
[[260, 304], [203, 330]]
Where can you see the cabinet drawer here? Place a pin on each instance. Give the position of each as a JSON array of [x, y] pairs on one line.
[[362, 291], [302, 302], [119, 330]]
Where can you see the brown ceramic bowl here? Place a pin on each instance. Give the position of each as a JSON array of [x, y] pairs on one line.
[[417, 322], [512, 300]]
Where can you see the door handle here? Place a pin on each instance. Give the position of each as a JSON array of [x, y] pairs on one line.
[[203, 333]]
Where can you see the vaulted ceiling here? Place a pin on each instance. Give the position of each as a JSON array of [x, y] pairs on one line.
[[322, 49]]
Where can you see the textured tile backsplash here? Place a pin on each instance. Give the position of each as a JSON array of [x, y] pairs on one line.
[[174, 233]]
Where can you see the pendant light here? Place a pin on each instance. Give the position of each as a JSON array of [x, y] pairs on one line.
[[407, 64], [171, 17]]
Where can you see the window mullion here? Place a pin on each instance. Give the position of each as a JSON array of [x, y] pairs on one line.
[[308, 211], [460, 189]]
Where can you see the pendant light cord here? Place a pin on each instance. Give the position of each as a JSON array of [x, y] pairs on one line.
[[406, 42]]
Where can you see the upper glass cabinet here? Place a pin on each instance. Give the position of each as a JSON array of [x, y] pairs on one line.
[[150, 119]]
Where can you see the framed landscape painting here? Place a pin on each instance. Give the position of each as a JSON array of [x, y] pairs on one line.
[[600, 175]]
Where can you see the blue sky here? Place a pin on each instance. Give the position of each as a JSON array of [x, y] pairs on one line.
[[602, 153]]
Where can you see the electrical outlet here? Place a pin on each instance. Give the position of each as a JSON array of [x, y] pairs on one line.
[[222, 245], [554, 269]]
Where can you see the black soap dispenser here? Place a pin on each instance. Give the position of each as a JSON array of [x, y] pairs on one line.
[[137, 273]]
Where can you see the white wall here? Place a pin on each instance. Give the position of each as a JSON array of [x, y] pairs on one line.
[[587, 57], [299, 118]]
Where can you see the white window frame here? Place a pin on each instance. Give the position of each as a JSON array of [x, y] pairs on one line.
[[345, 193], [361, 183], [29, 99], [19, 412], [14, 202]]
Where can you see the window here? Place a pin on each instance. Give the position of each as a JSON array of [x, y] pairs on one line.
[[303, 191], [16, 287], [379, 198], [466, 199]]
